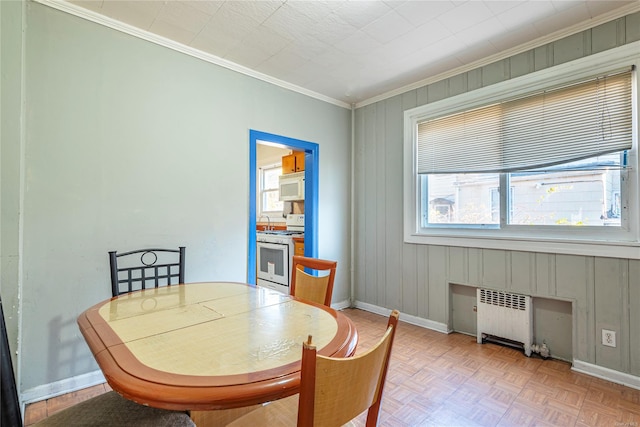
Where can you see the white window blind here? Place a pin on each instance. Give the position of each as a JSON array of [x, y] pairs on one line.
[[579, 121]]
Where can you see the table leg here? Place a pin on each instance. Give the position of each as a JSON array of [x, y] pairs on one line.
[[221, 417]]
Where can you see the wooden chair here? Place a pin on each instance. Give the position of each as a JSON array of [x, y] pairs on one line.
[[317, 289], [146, 268], [108, 409], [333, 391]]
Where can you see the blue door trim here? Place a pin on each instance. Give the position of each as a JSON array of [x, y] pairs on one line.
[[311, 150]]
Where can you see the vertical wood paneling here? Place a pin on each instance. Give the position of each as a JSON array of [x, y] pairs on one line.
[[632, 28], [495, 72], [521, 64], [543, 57], [610, 283], [458, 265], [569, 48], [422, 277], [495, 268], [523, 272], [606, 36], [393, 207], [380, 204], [437, 91], [457, 85], [438, 283], [409, 289], [475, 272], [359, 242], [574, 279], [474, 79], [633, 317], [545, 275], [417, 277], [370, 213]]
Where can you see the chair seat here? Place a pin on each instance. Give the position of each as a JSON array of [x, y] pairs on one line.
[[282, 412], [111, 409]]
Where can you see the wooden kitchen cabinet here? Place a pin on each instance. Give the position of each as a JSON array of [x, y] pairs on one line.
[[293, 162], [298, 246]]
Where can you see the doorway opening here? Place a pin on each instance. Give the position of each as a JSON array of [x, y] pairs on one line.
[[310, 197]]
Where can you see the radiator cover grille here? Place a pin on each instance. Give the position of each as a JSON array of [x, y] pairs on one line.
[[505, 315]]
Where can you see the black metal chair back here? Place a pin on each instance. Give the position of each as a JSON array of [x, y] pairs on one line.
[[11, 415], [146, 268]]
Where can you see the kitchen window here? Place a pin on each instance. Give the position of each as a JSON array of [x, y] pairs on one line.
[[270, 204], [563, 142]]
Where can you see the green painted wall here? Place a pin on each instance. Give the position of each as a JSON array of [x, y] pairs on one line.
[[128, 144]]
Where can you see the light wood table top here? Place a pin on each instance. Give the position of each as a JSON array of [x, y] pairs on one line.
[[207, 346]]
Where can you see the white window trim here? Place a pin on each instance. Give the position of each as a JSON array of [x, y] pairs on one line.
[[272, 215], [589, 245]]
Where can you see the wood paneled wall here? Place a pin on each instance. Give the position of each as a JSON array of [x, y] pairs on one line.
[[416, 279]]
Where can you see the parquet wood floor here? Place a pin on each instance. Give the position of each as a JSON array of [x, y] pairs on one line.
[[449, 380]]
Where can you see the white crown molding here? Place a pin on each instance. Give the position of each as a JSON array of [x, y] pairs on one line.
[[97, 18], [582, 26]]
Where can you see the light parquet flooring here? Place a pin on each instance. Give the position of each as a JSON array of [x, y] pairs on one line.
[[436, 379]]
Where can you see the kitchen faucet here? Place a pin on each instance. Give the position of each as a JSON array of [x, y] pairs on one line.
[[268, 221]]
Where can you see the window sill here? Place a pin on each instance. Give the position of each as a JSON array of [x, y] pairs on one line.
[[629, 250]]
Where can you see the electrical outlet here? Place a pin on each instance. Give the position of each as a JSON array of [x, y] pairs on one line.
[[608, 338]]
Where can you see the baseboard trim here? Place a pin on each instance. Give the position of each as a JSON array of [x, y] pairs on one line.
[[414, 320], [57, 388], [606, 374], [341, 305]]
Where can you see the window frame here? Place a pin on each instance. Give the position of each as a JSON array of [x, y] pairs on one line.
[[554, 239], [272, 215]]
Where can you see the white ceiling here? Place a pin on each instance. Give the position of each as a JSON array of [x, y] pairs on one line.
[[352, 51]]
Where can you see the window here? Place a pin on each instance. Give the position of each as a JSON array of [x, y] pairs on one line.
[[270, 203], [548, 157]]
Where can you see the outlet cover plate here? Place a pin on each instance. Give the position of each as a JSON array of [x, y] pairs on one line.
[[608, 338]]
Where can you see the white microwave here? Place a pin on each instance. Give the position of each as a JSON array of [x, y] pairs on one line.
[[292, 187]]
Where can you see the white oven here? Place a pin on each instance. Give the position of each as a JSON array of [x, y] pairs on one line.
[[274, 253]]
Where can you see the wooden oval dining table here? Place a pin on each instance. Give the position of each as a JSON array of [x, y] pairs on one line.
[[206, 347]]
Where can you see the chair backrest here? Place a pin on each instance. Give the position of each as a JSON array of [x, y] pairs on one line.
[[333, 391], [146, 268], [318, 289], [11, 415]]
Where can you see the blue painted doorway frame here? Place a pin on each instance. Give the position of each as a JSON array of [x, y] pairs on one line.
[[310, 190]]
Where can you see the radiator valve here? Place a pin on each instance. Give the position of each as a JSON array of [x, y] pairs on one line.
[[541, 349]]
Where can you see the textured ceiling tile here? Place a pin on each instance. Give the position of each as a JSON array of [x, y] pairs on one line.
[[358, 44], [210, 7], [248, 56], [352, 50], [314, 10], [421, 12], [140, 14], [361, 13], [598, 7], [265, 39], [259, 11], [482, 31], [308, 47], [558, 21], [388, 27], [525, 14], [465, 16], [182, 15], [332, 29], [524, 34], [172, 32], [289, 22]]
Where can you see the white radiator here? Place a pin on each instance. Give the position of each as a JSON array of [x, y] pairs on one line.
[[505, 315]]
